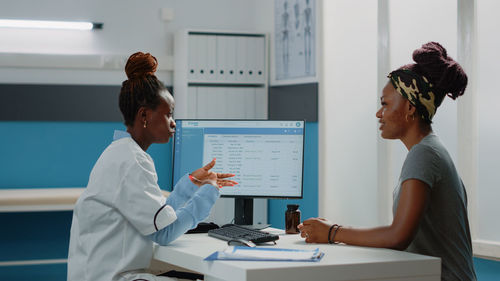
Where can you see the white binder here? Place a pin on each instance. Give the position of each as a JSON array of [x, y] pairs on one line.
[[251, 59], [202, 103], [192, 57], [211, 55], [202, 54], [235, 98], [231, 59], [241, 59], [249, 100], [211, 103], [260, 103], [192, 100], [260, 60], [217, 101], [222, 58]]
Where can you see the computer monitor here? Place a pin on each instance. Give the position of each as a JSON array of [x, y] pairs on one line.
[[266, 157]]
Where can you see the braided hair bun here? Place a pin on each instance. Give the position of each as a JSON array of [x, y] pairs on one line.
[[140, 65], [142, 88], [433, 62]]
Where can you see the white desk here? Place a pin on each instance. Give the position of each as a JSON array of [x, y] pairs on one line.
[[341, 262]]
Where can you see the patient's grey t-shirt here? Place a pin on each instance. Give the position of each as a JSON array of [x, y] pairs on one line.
[[444, 229]]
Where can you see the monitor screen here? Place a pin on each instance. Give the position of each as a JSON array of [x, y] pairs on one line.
[[266, 156]]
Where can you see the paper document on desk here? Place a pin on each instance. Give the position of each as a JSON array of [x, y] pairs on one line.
[[243, 253]]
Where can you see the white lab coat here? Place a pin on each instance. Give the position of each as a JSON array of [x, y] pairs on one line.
[[120, 206]]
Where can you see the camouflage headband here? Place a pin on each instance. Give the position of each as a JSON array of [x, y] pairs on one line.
[[418, 90]]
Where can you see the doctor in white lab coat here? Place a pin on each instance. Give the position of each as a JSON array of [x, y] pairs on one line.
[[122, 211]]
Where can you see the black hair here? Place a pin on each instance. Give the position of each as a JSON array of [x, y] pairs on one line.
[[445, 74], [142, 89]]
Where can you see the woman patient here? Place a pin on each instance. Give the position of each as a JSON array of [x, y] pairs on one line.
[[430, 202]]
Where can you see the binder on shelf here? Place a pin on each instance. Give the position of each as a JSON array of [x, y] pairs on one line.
[[202, 57], [231, 60], [249, 100], [211, 58], [241, 59], [211, 103], [260, 60], [192, 57], [222, 58], [192, 100], [218, 102], [203, 101], [260, 103], [236, 100], [251, 59]]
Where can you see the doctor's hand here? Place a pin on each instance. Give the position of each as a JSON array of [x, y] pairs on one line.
[[315, 230], [205, 176]]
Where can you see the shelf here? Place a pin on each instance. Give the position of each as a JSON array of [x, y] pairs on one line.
[[41, 199], [224, 84], [38, 199], [220, 74]]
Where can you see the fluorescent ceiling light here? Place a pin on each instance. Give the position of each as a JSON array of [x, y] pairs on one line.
[[50, 24]]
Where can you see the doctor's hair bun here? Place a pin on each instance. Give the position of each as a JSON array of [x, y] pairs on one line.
[[447, 76], [142, 88], [140, 65]]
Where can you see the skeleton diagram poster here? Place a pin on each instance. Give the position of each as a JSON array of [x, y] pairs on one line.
[[294, 38]]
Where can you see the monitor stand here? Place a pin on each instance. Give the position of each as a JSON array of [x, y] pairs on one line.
[[243, 214], [243, 211]]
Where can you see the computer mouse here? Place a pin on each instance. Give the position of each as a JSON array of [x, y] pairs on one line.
[[241, 242]]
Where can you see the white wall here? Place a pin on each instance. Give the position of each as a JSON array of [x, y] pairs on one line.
[[488, 100], [129, 26], [411, 24], [352, 174], [347, 106]]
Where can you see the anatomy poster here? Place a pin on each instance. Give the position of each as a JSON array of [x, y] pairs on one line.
[[294, 39]]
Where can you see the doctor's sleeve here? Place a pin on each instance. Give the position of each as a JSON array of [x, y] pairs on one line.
[[182, 192], [139, 199], [195, 210]]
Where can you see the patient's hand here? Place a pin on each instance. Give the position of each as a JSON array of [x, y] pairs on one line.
[[205, 176], [315, 230]]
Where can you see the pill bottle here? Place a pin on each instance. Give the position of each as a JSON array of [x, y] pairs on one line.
[[292, 219]]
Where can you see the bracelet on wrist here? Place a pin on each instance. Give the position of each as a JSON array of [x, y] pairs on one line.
[[193, 179], [200, 183], [335, 228], [330, 233], [335, 233]]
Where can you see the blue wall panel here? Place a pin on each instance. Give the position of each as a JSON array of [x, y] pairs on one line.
[[62, 154], [46, 272], [487, 270], [34, 235]]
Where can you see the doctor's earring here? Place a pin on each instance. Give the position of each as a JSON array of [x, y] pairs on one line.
[[145, 124]]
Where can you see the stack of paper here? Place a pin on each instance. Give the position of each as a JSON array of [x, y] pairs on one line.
[[265, 254]]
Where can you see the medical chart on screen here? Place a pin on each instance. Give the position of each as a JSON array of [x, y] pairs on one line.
[[263, 164]]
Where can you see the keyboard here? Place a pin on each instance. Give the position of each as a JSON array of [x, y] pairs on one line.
[[232, 231]]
